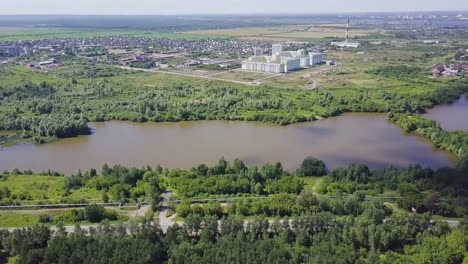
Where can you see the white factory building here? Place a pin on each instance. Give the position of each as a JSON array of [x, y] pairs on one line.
[[281, 61], [346, 44]]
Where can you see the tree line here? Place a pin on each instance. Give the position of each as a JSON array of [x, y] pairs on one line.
[[311, 238]]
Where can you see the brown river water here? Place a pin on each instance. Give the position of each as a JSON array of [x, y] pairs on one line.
[[339, 141], [451, 116]]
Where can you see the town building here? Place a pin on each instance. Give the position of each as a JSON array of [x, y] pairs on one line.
[[276, 49], [258, 52], [282, 61], [7, 50], [316, 58], [431, 41], [346, 44]]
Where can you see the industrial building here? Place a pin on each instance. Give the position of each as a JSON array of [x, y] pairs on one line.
[[346, 43], [281, 61]]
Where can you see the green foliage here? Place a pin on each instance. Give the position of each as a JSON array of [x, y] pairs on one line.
[[143, 65], [420, 189], [312, 167], [96, 213], [401, 71], [310, 238], [232, 179], [456, 142]]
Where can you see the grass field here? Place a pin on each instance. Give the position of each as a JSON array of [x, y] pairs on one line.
[[311, 183], [286, 33], [32, 189], [25, 218], [24, 33], [239, 75]]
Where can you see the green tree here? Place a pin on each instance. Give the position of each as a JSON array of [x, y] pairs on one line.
[[94, 213], [312, 167]]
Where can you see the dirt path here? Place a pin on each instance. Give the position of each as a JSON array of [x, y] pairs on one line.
[[140, 212]]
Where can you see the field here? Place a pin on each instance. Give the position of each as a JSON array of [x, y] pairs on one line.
[[240, 75], [287, 33], [23, 33], [35, 189], [25, 218]]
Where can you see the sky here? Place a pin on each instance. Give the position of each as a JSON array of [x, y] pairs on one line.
[[135, 7]]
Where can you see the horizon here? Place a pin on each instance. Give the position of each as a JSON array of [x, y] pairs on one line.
[[238, 7], [409, 12]]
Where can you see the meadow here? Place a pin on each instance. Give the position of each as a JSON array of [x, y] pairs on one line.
[[42, 189], [33, 33], [287, 32]]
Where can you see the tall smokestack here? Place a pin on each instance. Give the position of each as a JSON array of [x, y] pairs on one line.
[[347, 30]]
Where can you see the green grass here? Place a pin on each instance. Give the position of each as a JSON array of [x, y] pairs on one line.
[[26, 218], [37, 188], [18, 219], [12, 260], [443, 218], [397, 210], [10, 138], [311, 183]]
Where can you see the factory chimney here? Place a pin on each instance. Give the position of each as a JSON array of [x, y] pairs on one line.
[[347, 31]]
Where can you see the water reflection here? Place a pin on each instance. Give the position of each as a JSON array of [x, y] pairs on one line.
[[339, 141], [451, 116]]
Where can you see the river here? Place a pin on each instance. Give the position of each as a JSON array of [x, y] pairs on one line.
[[451, 116], [339, 141]]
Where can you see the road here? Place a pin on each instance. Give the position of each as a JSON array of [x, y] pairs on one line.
[[166, 222]]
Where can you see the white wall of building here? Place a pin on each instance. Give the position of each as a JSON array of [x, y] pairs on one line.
[[316, 58], [276, 49], [263, 66]]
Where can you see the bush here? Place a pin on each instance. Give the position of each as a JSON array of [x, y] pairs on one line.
[[44, 219], [94, 213], [183, 209]]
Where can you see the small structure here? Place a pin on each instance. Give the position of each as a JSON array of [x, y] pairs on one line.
[[451, 70], [192, 63], [431, 41]]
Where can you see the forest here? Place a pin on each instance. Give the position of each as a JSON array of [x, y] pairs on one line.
[[310, 238]]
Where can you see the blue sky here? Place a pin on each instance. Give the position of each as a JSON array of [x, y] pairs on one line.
[[222, 6]]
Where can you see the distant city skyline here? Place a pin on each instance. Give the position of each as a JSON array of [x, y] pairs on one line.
[[165, 7]]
